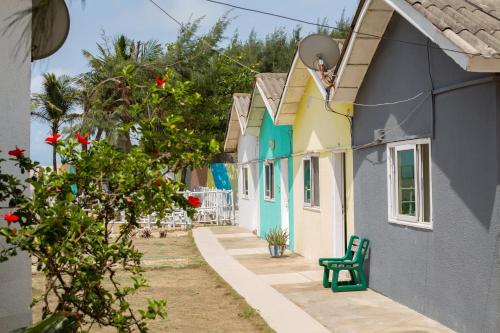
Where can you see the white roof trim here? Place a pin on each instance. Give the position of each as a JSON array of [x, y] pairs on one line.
[[249, 116], [314, 75], [240, 118], [350, 44], [318, 81], [287, 82]]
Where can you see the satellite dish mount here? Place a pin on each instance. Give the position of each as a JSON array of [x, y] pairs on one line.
[[320, 53]]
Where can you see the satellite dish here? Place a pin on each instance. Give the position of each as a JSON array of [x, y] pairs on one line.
[[49, 27], [318, 48]]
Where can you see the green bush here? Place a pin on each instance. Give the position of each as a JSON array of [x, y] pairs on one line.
[[277, 236]]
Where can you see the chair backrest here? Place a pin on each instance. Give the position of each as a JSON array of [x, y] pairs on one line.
[[352, 247], [362, 248]]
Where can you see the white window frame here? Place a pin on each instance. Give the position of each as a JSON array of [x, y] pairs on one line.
[[244, 174], [392, 184], [311, 180], [271, 196]]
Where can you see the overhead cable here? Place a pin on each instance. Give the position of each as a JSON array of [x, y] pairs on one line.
[[203, 40], [335, 28]]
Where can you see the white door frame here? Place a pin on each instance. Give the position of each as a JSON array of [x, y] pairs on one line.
[[284, 188], [338, 204]]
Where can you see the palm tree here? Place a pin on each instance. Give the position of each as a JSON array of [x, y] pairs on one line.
[[55, 105], [108, 95]]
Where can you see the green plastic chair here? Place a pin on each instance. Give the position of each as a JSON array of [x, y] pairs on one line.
[[351, 262]]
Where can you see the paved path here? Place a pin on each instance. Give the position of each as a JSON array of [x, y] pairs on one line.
[[278, 311], [289, 295]]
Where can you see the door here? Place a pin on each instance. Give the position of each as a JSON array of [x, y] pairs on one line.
[[285, 222], [339, 218]]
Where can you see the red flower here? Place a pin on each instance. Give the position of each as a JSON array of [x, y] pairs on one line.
[[52, 140], [82, 139], [10, 218], [194, 201], [159, 82], [158, 182], [16, 152]]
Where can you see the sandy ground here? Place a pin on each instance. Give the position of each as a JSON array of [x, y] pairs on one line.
[[198, 300]]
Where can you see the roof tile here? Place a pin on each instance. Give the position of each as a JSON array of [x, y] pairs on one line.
[[473, 25], [272, 85]]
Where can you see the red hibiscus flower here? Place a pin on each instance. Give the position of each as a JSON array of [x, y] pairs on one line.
[[10, 218], [16, 152], [159, 82], [194, 201], [82, 139], [158, 182], [52, 140]]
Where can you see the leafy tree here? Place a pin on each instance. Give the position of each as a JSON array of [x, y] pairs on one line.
[[341, 28], [55, 104], [105, 95], [65, 224]]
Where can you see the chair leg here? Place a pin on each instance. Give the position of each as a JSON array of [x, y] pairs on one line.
[[326, 278], [354, 279], [335, 279]]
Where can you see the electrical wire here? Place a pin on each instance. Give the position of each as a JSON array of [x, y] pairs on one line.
[[203, 40], [392, 103], [378, 104], [408, 116], [335, 28]]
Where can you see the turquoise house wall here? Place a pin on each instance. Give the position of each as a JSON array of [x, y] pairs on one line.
[[271, 210]]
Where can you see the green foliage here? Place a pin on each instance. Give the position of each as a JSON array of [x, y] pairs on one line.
[[277, 236], [55, 104], [56, 323], [194, 59], [341, 29], [68, 231]]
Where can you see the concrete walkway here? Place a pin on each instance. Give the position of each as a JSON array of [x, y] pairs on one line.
[[289, 295]]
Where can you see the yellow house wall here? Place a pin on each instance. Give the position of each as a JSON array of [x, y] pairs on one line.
[[318, 131]]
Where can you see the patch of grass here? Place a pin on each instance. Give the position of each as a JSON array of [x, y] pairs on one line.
[[246, 311], [198, 299]]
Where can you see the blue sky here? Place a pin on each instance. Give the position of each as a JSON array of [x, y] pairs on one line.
[[141, 20]]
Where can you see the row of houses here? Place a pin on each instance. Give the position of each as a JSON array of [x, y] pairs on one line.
[[403, 148]]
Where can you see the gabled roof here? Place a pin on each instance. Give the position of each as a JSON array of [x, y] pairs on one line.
[[296, 82], [266, 95], [237, 121], [468, 31]]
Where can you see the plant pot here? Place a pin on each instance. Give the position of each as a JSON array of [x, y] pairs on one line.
[[276, 250]]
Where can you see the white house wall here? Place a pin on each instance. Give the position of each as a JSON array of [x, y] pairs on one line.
[[248, 206], [15, 274]]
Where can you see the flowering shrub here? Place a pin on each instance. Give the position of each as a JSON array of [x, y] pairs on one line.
[[66, 224], [194, 201]]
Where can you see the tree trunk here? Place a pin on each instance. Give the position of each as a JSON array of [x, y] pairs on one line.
[[184, 175], [54, 157], [99, 134], [55, 131]]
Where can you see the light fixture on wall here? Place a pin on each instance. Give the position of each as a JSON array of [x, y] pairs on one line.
[[271, 144]]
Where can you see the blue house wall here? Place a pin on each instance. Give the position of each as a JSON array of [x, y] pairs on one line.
[[275, 143]]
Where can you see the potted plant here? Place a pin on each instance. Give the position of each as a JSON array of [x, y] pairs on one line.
[[276, 239]]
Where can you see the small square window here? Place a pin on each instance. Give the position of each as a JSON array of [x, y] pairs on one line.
[[269, 180], [311, 181], [409, 182]]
